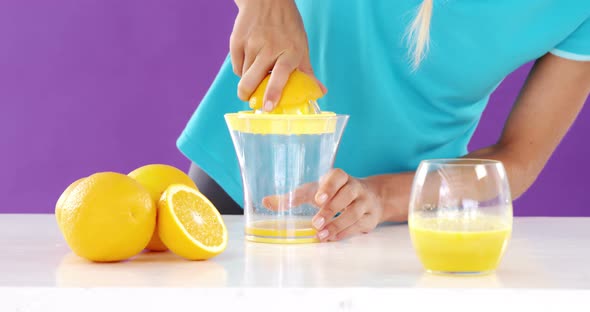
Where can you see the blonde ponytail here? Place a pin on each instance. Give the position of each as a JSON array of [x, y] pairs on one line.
[[419, 33]]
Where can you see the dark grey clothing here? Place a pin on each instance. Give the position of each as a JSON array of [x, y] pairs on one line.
[[208, 187]]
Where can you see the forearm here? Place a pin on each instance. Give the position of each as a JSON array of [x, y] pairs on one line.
[[393, 190], [551, 99], [521, 172], [393, 194]]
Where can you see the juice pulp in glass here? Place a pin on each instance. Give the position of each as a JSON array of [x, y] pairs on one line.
[[457, 245], [281, 231]]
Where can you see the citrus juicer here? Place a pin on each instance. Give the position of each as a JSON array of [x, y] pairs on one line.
[[282, 155], [305, 108]]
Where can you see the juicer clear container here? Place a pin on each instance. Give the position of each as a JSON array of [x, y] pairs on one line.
[[281, 158]]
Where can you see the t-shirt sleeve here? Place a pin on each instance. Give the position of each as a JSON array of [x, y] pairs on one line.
[[577, 45]]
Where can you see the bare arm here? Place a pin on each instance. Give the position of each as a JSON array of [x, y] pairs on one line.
[[551, 99], [547, 106]]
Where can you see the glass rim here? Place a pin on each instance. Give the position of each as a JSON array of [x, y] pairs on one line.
[[460, 161]]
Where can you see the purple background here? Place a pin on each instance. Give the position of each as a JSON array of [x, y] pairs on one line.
[[100, 85]]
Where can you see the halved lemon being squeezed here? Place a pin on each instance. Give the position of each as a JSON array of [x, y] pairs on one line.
[[189, 224], [296, 113], [299, 95]]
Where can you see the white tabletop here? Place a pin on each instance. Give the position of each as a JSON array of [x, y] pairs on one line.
[[544, 255]]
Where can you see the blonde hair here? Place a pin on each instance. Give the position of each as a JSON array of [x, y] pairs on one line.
[[419, 34]]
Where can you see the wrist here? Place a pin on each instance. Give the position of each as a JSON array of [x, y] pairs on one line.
[[521, 172], [392, 194]]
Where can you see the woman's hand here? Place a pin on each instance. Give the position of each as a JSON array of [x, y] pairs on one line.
[[268, 35], [357, 204], [361, 204]]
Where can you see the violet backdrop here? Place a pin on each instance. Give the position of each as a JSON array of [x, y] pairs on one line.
[[96, 85]]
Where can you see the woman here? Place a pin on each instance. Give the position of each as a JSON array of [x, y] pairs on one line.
[[414, 76]]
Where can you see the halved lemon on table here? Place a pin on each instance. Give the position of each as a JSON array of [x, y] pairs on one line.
[[189, 224], [155, 178]]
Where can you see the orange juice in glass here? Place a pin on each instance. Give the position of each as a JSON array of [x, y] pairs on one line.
[[460, 216]]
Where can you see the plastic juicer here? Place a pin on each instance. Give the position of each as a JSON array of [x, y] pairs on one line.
[[281, 158]]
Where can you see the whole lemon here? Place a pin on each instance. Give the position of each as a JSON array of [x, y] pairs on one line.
[[62, 198], [106, 217], [156, 178]]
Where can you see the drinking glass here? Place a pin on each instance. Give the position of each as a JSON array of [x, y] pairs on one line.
[[460, 215]]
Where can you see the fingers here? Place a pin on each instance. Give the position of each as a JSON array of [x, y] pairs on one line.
[[255, 67], [236, 50], [237, 59], [281, 71], [338, 193], [324, 198], [349, 216], [267, 35], [302, 195], [363, 226], [255, 74], [252, 50], [363, 223], [322, 86], [256, 62], [344, 197], [249, 59]]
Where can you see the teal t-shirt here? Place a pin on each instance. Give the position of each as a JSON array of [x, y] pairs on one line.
[[399, 117]]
